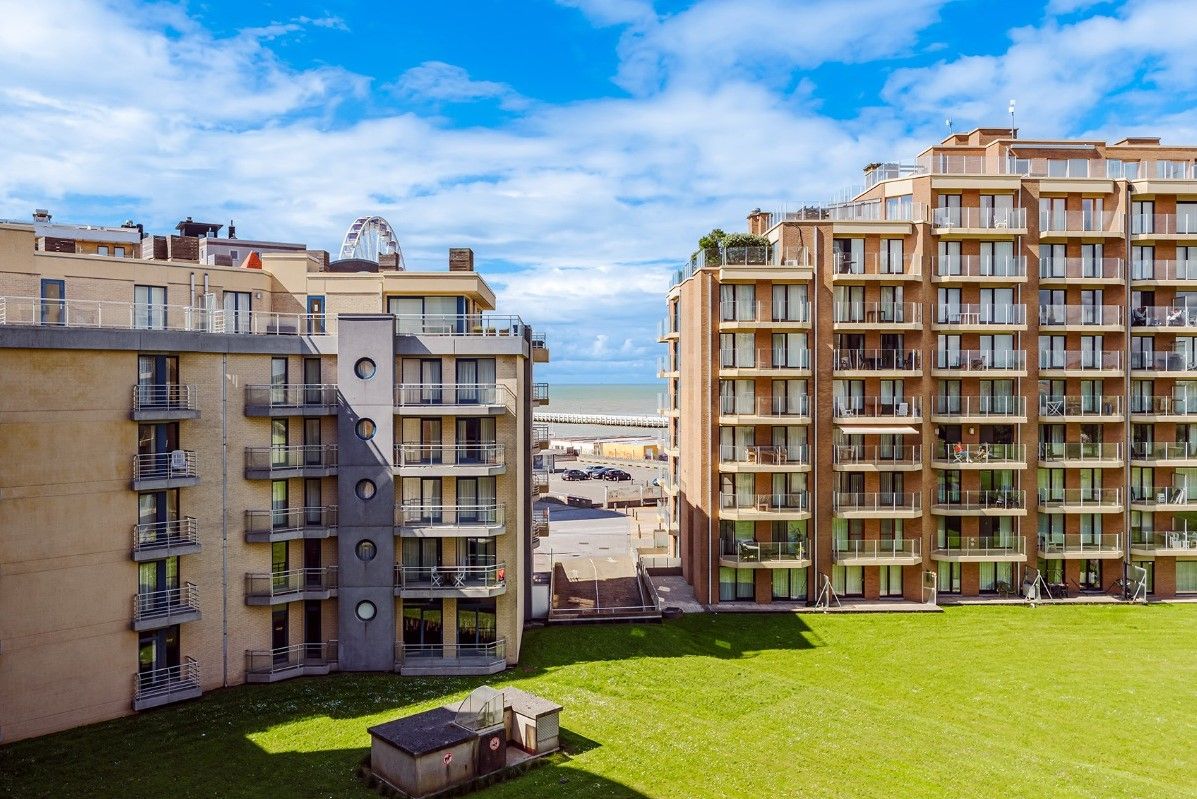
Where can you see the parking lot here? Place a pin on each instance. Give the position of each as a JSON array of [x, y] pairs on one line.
[[596, 490]]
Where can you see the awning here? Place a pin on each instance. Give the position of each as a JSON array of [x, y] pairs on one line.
[[879, 430]]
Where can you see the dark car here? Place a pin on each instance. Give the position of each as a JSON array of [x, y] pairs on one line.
[[595, 472], [575, 474], [616, 475]]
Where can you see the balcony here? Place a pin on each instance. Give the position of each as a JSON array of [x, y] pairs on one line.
[[462, 582], [975, 549], [1163, 227], [1164, 499], [871, 409], [1079, 224], [166, 401], [986, 410], [765, 410], [153, 610], [1080, 363], [764, 362], [666, 406], [297, 660], [980, 318], [877, 316], [300, 460], [1165, 543], [452, 399], [1182, 319], [106, 315], [880, 458], [165, 539], [1163, 454], [540, 346], [540, 522], [750, 554], [997, 363], [290, 524], [987, 502], [166, 685], [1080, 271], [415, 520], [291, 399], [279, 588], [848, 505], [449, 660], [1164, 409], [875, 363], [888, 552], [1105, 408], [414, 459], [1081, 455], [1175, 363], [1158, 272], [848, 269], [153, 471], [764, 507], [776, 458], [1080, 318], [1080, 500], [979, 456], [1071, 546], [978, 222], [540, 437], [980, 269], [470, 324], [666, 369], [540, 393], [540, 483], [668, 329], [750, 315]]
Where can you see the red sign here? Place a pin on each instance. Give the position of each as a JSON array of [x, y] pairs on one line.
[[494, 744], [448, 758]]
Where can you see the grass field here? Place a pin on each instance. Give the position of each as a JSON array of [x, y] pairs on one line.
[[993, 702]]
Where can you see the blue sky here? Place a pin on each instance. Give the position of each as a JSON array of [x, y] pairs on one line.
[[579, 146]]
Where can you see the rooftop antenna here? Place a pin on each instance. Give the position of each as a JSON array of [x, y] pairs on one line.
[[1013, 134]]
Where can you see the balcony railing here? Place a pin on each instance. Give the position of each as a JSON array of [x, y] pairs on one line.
[[1163, 224], [165, 536], [764, 358], [179, 464], [998, 407], [416, 454], [1079, 315], [880, 265], [291, 396], [979, 218], [1163, 316], [1000, 456], [1183, 405], [1181, 541], [540, 392], [981, 314], [988, 499], [1175, 361], [874, 549], [1079, 222], [154, 606], [449, 578], [1056, 405], [263, 524], [750, 551], [434, 394], [452, 655], [777, 455], [878, 407], [291, 457], [291, 584], [1050, 452], [980, 266], [1163, 451], [780, 407], [1079, 498], [319, 656], [476, 324], [1159, 269], [540, 435], [160, 686], [847, 501], [899, 313], [425, 515], [877, 360], [981, 360], [103, 314], [1080, 544], [768, 503], [164, 397], [981, 547], [757, 311], [1163, 496], [1080, 269], [881, 455], [1081, 360]]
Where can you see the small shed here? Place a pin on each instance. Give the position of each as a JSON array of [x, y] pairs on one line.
[[533, 722]]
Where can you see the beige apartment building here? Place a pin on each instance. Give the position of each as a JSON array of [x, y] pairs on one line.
[[979, 373], [251, 466]]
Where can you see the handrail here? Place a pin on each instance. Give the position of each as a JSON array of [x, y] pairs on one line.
[[882, 407], [292, 581], [423, 394], [980, 406], [451, 577], [1163, 224], [1185, 540], [764, 502], [1082, 405], [168, 602], [1079, 451], [995, 498], [165, 465], [765, 358], [115, 315], [1079, 315], [878, 313], [1161, 451], [877, 548], [877, 360], [411, 453], [881, 455], [1163, 316], [1080, 269], [291, 456], [877, 264], [164, 535], [468, 324], [1095, 497], [981, 360], [1080, 222], [960, 452], [756, 311], [416, 514], [1079, 543], [165, 681], [766, 406], [776, 455], [979, 218], [291, 395], [1164, 269], [979, 546], [1162, 495], [164, 396], [875, 501], [751, 551], [290, 519], [980, 266], [1080, 359], [294, 656], [980, 314]]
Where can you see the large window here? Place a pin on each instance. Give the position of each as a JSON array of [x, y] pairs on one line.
[[735, 584], [1186, 576], [149, 307], [789, 584], [237, 310]]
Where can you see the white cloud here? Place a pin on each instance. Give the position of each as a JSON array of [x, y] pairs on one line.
[[438, 81]]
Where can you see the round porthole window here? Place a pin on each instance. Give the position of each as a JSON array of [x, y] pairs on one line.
[[366, 550], [365, 429], [364, 368], [365, 610], [365, 489]]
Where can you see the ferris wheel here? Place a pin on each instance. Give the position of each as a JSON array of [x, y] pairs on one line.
[[369, 237]]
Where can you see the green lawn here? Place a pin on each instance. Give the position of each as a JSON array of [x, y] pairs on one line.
[[994, 702]]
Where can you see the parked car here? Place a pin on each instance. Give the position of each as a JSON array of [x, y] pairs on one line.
[[575, 474], [616, 475], [596, 471]]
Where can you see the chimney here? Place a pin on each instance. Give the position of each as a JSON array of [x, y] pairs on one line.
[[758, 222], [41, 215], [461, 259], [232, 230]]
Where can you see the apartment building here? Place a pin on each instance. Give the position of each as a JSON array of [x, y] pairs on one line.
[[217, 474], [978, 372]]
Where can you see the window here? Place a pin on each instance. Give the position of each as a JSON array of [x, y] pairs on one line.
[[237, 317], [735, 584], [149, 307], [848, 580], [789, 584], [119, 252], [102, 249], [949, 577]]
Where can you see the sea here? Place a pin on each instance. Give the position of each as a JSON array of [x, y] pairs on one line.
[[636, 399]]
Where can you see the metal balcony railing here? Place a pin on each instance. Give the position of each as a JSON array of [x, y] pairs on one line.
[[981, 266], [433, 394], [774, 455], [1057, 405], [291, 396], [1163, 496], [449, 578], [1140, 451], [319, 654], [981, 360], [296, 456], [876, 549], [1000, 455], [847, 501], [452, 654], [1174, 361], [540, 521], [877, 360], [1182, 405], [1169, 540], [880, 455], [986, 499], [416, 454], [764, 358], [103, 314], [540, 392], [972, 314], [1079, 222], [1163, 269], [290, 520], [750, 551], [1079, 544], [797, 405], [540, 434], [458, 325], [175, 465], [980, 406], [977, 546], [768, 503], [164, 397], [1079, 315], [422, 515], [162, 605], [979, 218], [292, 582], [1079, 497], [757, 311], [897, 313], [1164, 316], [1079, 451], [1080, 360], [1080, 269], [1163, 224], [878, 407], [162, 684], [881, 265], [158, 536]]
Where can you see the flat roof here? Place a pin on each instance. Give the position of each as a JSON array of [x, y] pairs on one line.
[[422, 733], [527, 704]]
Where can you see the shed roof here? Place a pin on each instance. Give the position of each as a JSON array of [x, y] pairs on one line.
[[527, 704], [422, 733]]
